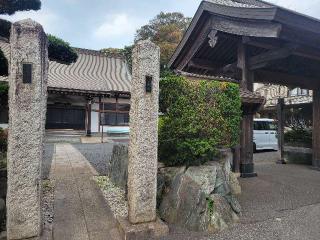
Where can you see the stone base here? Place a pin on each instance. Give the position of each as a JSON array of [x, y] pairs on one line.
[[249, 175], [281, 161], [142, 231], [247, 170], [315, 168]]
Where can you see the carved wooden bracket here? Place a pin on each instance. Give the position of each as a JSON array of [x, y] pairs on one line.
[[213, 38]]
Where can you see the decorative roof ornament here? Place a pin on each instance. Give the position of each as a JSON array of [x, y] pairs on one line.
[[213, 38]]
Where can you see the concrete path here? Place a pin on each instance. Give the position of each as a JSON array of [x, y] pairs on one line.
[[80, 211]]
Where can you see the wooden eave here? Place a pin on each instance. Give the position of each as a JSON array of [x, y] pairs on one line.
[[88, 93], [286, 25]]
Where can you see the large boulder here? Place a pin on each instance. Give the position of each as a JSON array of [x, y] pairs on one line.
[[185, 205], [204, 176], [234, 184], [169, 173], [221, 213], [118, 166]]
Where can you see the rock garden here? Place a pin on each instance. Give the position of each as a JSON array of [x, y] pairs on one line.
[[196, 189]]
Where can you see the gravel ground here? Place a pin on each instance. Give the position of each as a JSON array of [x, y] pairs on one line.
[[47, 208], [98, 155], [114, 195]]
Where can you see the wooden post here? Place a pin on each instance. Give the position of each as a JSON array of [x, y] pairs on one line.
[[280, 114], [316, 130], [236, 159], [89, 118], [246, 151], [99, 114]]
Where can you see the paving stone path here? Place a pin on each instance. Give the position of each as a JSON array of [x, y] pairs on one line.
[[80, 211]]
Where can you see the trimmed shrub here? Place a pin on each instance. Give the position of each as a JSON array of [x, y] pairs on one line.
[[61, 51], [299, 137], [199, 117]]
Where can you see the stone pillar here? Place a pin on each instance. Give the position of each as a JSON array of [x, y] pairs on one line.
[[316, 130], [142, 221], [143, 146], [27, 106]]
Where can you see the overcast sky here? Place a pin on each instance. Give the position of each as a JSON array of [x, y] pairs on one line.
[[97, 24]]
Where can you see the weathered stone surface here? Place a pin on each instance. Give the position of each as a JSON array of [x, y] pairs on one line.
[[185, 204], [234, 184], [222, 186], [27, 104], [118, 167], [169, 173], [234, 203], [205, 176], [222, 214], [195, 203], [143, 231], [143, 145], [226, 158]]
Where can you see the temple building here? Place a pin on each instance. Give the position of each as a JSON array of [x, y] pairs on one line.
[[86, 95]]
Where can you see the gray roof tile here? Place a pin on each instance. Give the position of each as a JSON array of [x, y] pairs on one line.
[[92, 71], [241, 3]]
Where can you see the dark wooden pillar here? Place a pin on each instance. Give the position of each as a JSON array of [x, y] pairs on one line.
[[246, 142], [236, 159], [316, 129], [280, 116], [88, 128]]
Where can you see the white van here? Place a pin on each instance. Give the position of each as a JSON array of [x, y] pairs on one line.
[[265, 135]]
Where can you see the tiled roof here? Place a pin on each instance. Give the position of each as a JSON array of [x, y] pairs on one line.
[[93, 71], [241, 3]]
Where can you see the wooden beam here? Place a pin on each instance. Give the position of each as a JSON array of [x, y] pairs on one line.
[[203, 64], [264, 76], [203, 35], [316, 129], [246, 28], [300, 50], [263, 59]]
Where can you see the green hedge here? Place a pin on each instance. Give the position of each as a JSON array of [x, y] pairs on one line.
[[299, 137], [199, 117]]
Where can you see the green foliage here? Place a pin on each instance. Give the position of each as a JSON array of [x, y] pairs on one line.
[[125, 52], [11, 6], [166, 30], [3, 64], [4, 88], [61, 51], [3, 140], [299, 137], [210, 203], [200, 117]]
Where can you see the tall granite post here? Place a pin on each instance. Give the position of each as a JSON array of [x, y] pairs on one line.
[[143, 146], [27, 111]]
